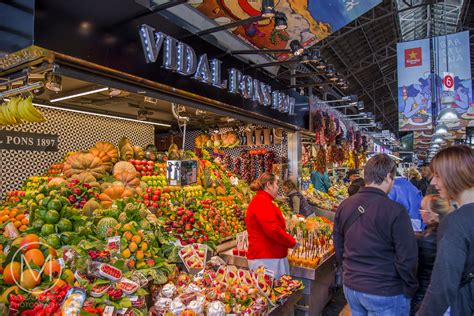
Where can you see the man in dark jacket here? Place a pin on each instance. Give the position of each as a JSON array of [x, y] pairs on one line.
[[377, 249]]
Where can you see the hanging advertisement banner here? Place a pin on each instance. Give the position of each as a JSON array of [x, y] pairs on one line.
[[457, 61], [414, 85]]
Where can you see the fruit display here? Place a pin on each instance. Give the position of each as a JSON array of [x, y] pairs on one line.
[[223, 290], [323, 200], [217, 140], [114, 233], [314, 235], [18, 111], [13, 215]]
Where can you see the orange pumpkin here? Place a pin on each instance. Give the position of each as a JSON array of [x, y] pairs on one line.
[[128, 178], [122, 166], [113, 193], [105, 151], [84, 162], [84, 177]]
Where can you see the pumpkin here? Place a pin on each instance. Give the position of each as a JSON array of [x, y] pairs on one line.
[[84, 162], [113, 193], [128, 178], [84, 177], [122, 166], [105, 151]]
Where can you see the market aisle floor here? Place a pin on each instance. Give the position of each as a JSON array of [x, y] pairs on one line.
[[337, 306]]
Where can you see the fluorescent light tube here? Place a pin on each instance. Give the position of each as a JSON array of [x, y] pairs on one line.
[[79, 94], [102, 115]]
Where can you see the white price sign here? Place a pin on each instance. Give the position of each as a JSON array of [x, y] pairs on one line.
[[448, 81]]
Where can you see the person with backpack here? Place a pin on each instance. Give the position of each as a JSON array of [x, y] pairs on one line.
[[376, 245]]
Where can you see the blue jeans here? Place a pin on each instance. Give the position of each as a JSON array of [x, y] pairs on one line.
[[363, 304]]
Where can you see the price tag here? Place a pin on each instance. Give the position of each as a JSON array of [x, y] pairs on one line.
[[108, 311], [133, 298], [113, 243], [61, 262]]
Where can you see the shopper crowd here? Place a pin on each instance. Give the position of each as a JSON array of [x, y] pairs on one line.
[[388, 269]]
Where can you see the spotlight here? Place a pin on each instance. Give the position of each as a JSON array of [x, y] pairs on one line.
[[331, 71], [321, 65], [141, 115], [53, 82], [268, 8], [296, 47], [314, 55], [280, 21]]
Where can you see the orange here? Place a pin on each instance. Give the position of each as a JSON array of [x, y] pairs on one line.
[[4, 218], [12, 272], [25, 221], [17, 224], [22, 228], [137, 239], [35, 256], [12, 214], [58, 283], [52, 268], [30, 241], [30, 278], [20, 217]]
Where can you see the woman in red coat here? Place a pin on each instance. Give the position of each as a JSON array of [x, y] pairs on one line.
[[267, 236]]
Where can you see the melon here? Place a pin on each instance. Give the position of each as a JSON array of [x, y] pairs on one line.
[[90, 207], [103, 226]]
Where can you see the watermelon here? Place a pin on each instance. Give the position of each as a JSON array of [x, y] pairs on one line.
[[64, 225], [103, 226]]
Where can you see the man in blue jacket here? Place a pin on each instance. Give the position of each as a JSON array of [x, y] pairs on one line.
[[405, 193]]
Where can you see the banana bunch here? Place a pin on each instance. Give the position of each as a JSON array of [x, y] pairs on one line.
[[18, 110]]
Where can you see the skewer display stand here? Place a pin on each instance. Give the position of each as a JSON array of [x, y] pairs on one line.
[[318, 282]]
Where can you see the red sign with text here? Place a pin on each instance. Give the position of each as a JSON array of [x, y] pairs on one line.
[[413, 57]]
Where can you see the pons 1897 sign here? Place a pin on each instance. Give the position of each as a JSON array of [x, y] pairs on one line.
[[181, 58], [28, 141]]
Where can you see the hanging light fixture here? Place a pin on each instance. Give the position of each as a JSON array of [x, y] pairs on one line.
[[280, 21], [314, 55], [53, 82], [321, 65], [268, 8], [448, 115], [331, 71], [438, 139], [441, 129], [296, 48]]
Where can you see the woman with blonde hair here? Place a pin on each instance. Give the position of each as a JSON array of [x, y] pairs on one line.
[[267, 237], [433, 209], [452, 283]]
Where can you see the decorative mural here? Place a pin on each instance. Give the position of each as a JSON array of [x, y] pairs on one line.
[[309, 21]]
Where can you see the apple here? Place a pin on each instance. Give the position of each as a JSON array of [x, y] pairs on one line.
[[155, 198], [179, 230], [157, 192], [192, 220], [188, 227], [149, 168], [179, 212], [138, 168], [146, 196], [146, 202], [155, 205], [149, 190], [132, 161], [174, 224], [150, 163], [191, 240]]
